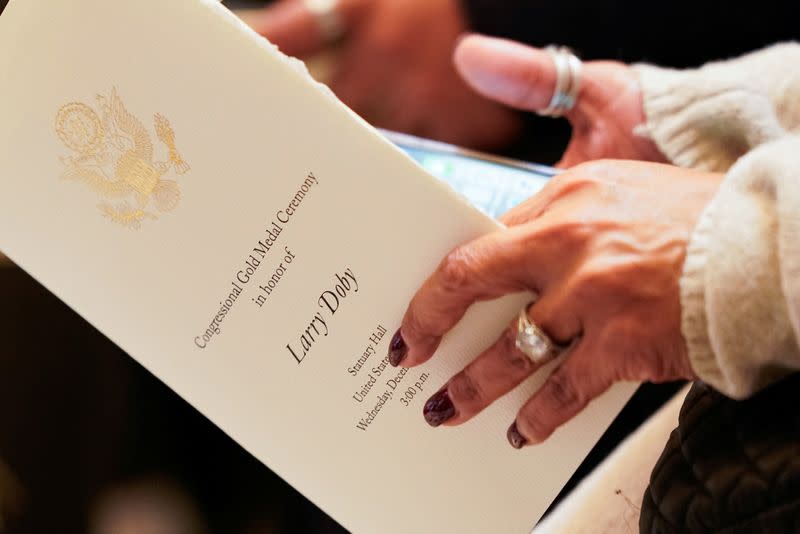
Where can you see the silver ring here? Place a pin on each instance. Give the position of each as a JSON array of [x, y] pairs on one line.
[[568, 81], [329, 21], [533, 341]]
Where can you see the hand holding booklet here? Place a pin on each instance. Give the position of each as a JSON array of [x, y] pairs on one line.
[[243, 235]]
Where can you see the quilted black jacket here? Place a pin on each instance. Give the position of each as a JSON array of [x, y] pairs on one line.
[[731, 467]]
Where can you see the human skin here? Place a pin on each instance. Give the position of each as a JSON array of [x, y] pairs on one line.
[[394, 67], [602, 246], [608, 111]]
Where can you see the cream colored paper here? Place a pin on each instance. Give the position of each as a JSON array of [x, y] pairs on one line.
[[147, 147]]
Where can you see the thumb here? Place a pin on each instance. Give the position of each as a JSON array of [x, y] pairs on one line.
[[512, 73]]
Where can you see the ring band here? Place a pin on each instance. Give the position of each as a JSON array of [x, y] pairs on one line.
[[328, 19], [568, 81], [533, 341]]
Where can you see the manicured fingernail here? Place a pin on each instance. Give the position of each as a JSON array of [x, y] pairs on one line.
[[516, 439], [397, 349], [439, 409]]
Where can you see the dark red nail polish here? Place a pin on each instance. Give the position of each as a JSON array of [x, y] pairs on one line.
[[516, 439], [397, 349], [439, 408]]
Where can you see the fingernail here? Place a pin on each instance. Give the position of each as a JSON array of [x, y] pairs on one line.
[[516, 439], [439, 409], [397, 349], [461, 37]]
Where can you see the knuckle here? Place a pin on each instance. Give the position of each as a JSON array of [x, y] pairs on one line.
[[421, 332], [598, 170], [529, 92], [606, 276], [589, 278], [572, 234], [636, 355], [456, 270], [559, 390], [464, 389], [413, 326], [576, 179], [598, 276]]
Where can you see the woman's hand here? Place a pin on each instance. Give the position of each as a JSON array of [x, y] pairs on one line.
[[603, 247], [394, 67], [608, 109]]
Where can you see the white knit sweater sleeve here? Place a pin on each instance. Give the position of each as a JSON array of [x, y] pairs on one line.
[[740, 290]]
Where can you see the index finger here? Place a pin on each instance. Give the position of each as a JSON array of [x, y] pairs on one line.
[[487, 268]]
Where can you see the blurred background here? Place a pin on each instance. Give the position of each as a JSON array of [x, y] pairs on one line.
[[91, 442]]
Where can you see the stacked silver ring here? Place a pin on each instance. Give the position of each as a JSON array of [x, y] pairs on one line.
[[568, 81]]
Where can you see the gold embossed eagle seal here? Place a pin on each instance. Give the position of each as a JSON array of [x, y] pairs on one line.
[[113, 154]]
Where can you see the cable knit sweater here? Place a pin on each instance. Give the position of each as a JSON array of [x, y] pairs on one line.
[[740, 290], [741, 280]]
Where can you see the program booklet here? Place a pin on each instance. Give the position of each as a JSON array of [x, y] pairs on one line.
[[224, 219]]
